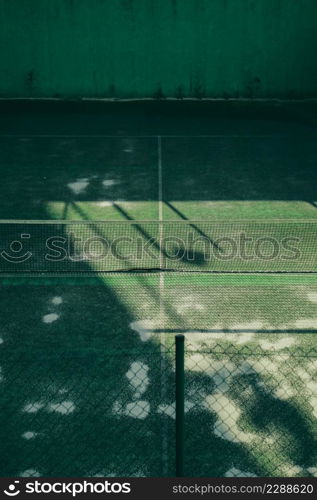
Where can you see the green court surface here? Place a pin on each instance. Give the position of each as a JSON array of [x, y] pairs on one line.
[[88, 370], [204, 160], [88, 362]]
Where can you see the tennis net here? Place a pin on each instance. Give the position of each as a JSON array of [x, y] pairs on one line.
[[77, 247]]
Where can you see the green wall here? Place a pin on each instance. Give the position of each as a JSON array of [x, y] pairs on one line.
[[148, 48]]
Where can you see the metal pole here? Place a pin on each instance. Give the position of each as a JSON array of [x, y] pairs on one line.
[[180, 410]]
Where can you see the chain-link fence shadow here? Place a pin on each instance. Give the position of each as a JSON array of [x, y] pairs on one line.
[[250, 412], [87, 413]]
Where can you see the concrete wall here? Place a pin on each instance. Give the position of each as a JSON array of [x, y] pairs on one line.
[[154, 48]]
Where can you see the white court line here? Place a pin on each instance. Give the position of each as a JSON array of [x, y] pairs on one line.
[[165, 136], [161, 306], [160, 178]]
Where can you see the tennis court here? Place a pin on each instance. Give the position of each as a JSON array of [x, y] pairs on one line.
[[88, 359]]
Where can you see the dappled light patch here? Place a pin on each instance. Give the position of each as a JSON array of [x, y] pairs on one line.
[[139, 409], [234, 472], [138, 378], [306, 323], [79, 186], [228, 416], [29, 473], [312, 297], [56, 301], [144, 327], [169, 409], [33, 407], [50, 318], [279, 344], [108, 183], [64, 408], [29, 435]]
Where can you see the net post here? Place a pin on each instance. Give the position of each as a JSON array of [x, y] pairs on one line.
[[180, 408]]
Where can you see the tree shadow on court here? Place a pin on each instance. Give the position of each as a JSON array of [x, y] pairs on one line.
[[208, 454], [180, 257], [37, 172], [237, 440], [80, 393], [80, 389], [238, 169], [292, 426]]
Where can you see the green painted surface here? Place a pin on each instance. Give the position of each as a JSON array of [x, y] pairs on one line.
[[155, 48]]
